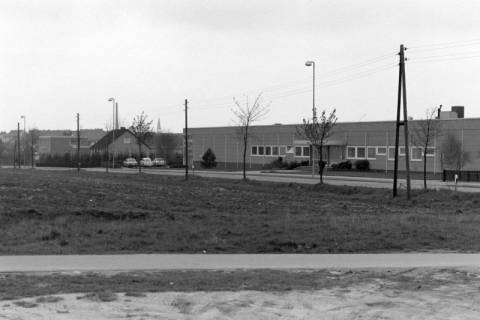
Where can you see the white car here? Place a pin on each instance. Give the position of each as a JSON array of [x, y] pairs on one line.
[[146, 162], [158, 162], [130, 162]]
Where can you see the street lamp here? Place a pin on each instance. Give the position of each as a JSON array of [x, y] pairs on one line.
[[113, 133], [314, 113], [312, 64], [24, 138]]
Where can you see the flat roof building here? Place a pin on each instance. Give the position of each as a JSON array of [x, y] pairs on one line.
[[373, 140]]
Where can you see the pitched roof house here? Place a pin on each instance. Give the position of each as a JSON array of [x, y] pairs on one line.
[[120, 141]]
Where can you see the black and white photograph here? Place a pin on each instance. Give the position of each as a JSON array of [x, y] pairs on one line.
[[237, 160]]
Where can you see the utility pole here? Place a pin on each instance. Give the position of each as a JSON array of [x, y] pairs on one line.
[[15, 154], [32, 150], [78, 142], [113, 134], [186, 140], [402, 93], [24, 139], [18, 146]]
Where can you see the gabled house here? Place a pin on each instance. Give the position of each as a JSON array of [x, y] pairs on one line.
[[120, 141]]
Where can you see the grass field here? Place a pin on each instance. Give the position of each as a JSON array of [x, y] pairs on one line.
[[63, 213]]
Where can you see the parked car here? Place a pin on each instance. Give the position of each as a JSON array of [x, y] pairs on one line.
[[158, 162], [130, 162], [146, 162]]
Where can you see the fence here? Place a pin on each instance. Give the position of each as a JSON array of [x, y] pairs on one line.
[[449, 175]]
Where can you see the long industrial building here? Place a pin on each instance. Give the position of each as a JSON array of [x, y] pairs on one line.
[[374, 141]]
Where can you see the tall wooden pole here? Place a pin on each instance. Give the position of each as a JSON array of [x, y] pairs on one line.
[[78, 142], [32, 150], [15, 154], [186, 140], [398, 124], [405, 127], [402, 93], [18, 146]]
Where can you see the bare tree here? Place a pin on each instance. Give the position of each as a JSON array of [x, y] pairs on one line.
[[423, 134], [245, 116], [142, 130], [453, 154], [317, 131], [168, 145]]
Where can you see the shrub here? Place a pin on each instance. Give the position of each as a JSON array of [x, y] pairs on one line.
[[275, 164], [70, 159], [208, 159], [362, 165], [344, 165], [292, 165]]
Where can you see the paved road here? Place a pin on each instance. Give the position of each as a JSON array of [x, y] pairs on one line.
[[295, 178], [233, 261], [308, 179]]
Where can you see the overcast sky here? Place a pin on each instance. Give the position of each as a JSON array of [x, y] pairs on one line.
[[61, 57]]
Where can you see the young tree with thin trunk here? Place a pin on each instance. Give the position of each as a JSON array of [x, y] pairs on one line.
[[142, 130], [453, 155], [423, 135], [245, 116], [317, 131]]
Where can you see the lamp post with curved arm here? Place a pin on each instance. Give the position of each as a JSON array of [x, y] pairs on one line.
[[314, 113]]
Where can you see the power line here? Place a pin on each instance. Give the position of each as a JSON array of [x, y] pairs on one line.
[[337, 81], [298, 83], [452, 54], [307, 87], [452, 44], [360, 65], [443, 59], [298, 91]]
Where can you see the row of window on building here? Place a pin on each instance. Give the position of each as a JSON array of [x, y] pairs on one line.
[[353, 152], [275, 151], [371, 153]]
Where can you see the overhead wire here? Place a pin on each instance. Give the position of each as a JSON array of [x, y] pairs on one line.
[[440, 45], [296, 84], [277, 91], [343, 74], [443, 59], [330, 83]]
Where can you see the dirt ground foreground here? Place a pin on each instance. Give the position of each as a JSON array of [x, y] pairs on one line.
[[406, 294]]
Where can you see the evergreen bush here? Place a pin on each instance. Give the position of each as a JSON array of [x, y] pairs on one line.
[[362, 165], [208, 159]]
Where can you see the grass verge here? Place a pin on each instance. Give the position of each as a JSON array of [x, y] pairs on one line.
[[45, 212]]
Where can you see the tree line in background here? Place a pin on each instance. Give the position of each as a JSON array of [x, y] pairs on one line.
[[28, 147]]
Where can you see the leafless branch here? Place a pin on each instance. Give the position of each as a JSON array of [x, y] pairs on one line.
[[245, 116]]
